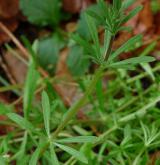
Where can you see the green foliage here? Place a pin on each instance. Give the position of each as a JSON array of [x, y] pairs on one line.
[[42, 13], [80, 139], [119, 125], [30, 85], [76, 154], [48, 49], [155, 6], [46, 112], [76, 63], [36, 154], [125, 46], [53, 155], [22, 122]]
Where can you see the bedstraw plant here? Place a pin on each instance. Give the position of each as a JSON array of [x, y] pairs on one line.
[[63, 139]]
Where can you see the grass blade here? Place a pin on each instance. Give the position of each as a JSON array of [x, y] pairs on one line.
[[29, 88], [46, 112], [134, 61], [19, 155], [22, 122], [79, 139], [53, 156], [35, 155]]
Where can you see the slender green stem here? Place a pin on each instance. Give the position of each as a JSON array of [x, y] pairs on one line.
[[75, 108]]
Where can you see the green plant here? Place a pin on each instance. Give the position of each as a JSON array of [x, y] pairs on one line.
[[39, 135]]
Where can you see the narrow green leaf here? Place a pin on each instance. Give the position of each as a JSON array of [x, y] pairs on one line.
[[29, 88], [107, 42], [35, 155], [134, 60], [46, 112], [19, 155], [117, 4], [76, 154], [95, 15], [79, 139], [3, 160], [22, 122], [93, 32], [125, 46], [148, 69], [127, 3], [146, 66], [54, 158], [148, 49], [132, 14]]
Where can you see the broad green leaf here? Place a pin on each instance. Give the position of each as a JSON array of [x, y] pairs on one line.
[[48, 49], [125, 46], [46, 112], [40, 12], [76, 61], [85, 44], [79, 139], [22, 122], [30, 85], [81, 27], [54, 158], [134, 60], [132, 14], [76, 154]]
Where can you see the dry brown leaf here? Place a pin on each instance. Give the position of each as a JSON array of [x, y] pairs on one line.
[[16, 67], [145, 19], [65, 87]]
